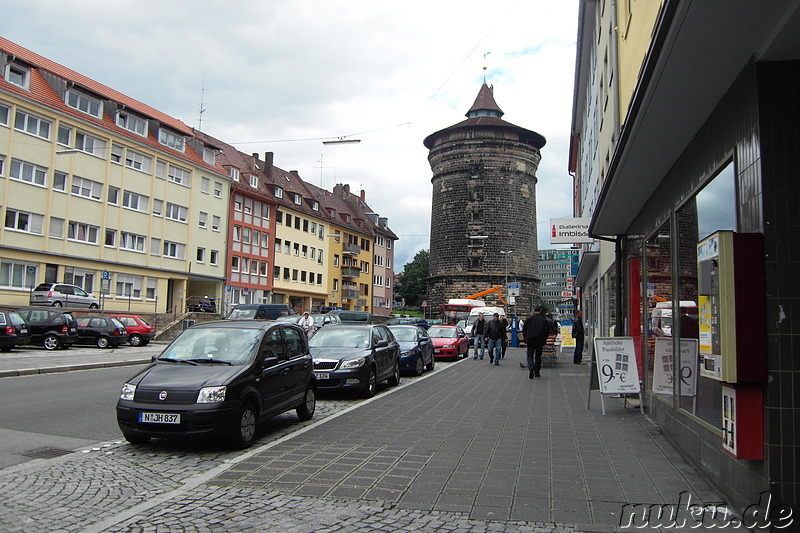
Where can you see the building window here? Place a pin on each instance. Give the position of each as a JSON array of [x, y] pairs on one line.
[[24, 221], [171, 140], [152, 285], [117, 152], [205, 185], [132, 123], [265, 211], [201, 255], [128, 286], [111, 237], [288, 219], [78, 231], [86, 188], [179, 175], [202, 219], [217, 189], [17, 75], [175, 250], [5, 113], [59, 181], [215, 222], [32, 124], [254, 181], [209, 155], [234, 173], [138, 161], [90, 145], [237, 234], [315, 206], [131, 241], [155, 246], [84, 103], [298, 199], [158, 207], [17, 275], [278, 192], [113, 195], [176, 212], [248, 206], [132, 200], [64, 135], [214, 257]]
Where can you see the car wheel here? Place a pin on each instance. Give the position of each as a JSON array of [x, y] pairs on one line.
[[394, 379], [135, 340], [51, 342], [94, 306], [244, 430], [57, 304], [372, 384], [135, 439], [432, 363], [420, 366], [305, 411], [102, 342]]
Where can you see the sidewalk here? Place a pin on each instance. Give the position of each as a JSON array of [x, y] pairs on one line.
[[471, 447]]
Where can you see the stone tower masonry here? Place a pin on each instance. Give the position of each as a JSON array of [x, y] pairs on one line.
[[484, 185]]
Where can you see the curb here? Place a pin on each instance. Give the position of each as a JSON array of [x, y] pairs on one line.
[[69, 368]]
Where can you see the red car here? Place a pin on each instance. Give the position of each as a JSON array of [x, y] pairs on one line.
[[140, 333], [448, 341]]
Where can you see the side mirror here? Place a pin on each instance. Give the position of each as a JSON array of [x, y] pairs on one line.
[[424, 339], [382, 343], [268, 362]]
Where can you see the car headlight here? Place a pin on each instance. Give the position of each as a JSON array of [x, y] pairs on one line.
[[211, 394], [407, 352], [449, 346], [353, 363], [127, 392]]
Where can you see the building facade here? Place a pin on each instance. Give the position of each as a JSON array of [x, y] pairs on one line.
[[104, 192], [556, 272], [695, 204], [484, 183]]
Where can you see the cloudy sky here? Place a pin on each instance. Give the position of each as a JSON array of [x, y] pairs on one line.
[[282, 75]]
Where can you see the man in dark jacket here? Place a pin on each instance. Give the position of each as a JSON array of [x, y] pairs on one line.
[[477, 333], [495, 332], [578, 334], [535, 332]]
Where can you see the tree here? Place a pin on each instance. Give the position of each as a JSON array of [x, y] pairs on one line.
[[413, 282]]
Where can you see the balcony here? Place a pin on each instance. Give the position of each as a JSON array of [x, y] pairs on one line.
[[350, 248], [350, 294], [350, 271]]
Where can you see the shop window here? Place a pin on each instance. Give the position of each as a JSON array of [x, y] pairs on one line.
[[712, 209], [658, 347]]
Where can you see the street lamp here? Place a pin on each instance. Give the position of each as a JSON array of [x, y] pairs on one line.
[[506, 253]]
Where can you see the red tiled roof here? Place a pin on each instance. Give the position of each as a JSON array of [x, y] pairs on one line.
[[59, 70]]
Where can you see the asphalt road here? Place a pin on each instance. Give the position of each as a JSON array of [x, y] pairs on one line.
[[64, 410]]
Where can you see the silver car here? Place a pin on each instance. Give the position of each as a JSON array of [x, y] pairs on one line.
[[62, 295]]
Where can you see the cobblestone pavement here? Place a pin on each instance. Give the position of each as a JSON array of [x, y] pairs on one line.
[[465, 448]]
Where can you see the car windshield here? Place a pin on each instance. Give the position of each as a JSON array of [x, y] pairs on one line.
[[242, 314], [442, 333], [117, 323], [340, 338], [231, 345], [404, 334]]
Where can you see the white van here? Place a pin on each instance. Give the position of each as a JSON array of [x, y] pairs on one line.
[[661, 316], [487, 313]]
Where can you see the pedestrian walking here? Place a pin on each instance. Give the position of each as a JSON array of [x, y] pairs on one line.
[[504, 344], [578, 334], [495, 332], [478, 333], [307, 323], [535, 333]]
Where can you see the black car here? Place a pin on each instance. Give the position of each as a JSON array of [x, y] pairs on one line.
[[52, 328], [101, 331], [260, 312], [355, 357], [219, 380], [14, 331]]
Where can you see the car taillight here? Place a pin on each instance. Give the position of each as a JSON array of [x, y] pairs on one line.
[[50, 294], [10, 330], [116, 333], [65, 329]]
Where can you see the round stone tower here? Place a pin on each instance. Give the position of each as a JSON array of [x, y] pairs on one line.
[[483, 219]]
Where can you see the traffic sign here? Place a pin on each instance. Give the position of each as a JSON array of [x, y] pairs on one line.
[[106, 274]]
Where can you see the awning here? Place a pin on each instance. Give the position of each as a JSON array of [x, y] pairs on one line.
[[587, 270]]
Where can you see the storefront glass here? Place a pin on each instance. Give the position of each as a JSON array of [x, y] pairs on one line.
[[711, 210], [658, 355]]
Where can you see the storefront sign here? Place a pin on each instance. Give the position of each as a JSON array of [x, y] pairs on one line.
[[569, 231], [616, 365]]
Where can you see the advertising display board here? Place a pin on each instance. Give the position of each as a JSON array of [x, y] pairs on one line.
[[664, 365], [616, 365]]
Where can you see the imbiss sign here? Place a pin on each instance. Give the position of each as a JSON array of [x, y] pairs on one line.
[[569, 231]]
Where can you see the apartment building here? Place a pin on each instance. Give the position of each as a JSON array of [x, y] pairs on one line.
[[102, 191]]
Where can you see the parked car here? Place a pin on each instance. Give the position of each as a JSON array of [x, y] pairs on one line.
[[352, 317], [416, 348], [219, 380], [101, 331], [319, 320], [355, 357], [449, 341], [421, 322], [62, 295], [52, 328], [140, 333], [14, 331], [259, 312]]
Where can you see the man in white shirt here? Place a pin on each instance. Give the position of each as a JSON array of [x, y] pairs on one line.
[[307, 323]]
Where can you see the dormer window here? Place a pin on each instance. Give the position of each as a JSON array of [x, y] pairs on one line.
[[298, 199], [83, 102], [278, 192], [171, 140], [132, 123], [315, 206], [254, 181], [234, 173], [17, 75], [209, 155], [346, 218]]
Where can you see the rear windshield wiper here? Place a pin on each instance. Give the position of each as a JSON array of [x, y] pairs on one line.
[[210, 361], [170, 360]]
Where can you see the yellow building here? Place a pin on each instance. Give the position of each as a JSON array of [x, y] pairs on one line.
[[104, 192]]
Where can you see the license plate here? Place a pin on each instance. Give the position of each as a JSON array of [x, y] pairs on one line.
[[322, 375], [437, 351], [160, 418], [23, 331]]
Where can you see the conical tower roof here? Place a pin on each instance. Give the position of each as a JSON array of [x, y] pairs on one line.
[[485, 113]]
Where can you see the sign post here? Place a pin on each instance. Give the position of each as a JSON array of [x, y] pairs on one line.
[[614, 368]]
